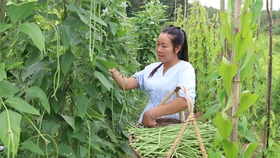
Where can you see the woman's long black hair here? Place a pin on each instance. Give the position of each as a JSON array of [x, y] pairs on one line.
[[178, 37]]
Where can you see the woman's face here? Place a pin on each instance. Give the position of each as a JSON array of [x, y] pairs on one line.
[[165, 50]]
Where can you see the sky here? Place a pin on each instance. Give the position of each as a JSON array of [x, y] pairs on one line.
[[216, 4]]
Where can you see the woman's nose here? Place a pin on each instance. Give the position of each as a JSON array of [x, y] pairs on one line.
[[159, 49]]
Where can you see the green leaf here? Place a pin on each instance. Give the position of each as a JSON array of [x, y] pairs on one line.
[[227, 72], [38, 78], [112, 136], [82, 105], [75, 39], [101, 106], [246, 101], [50, 127], [224, 126], [246, 71], [3, 74], [98, 20], [263, 120], [37, 92], [57, 103], [256, 9], [95, 141], [74, 8], [101, 66], [10, 129], [35, 33], [48, 15], [229, 103], [249, 55], [86, 19], [211, 111], [246, 5], [65, 151], [69, 120], [4, 26], [20, 11], [230, 148], [102, 79], [73, 22], [113, 27], [217, 140], [83, 151], [66, 61], [22, 105], [213, 153], [226, 28], [230, 6], [29, 145], [91, 91], [250, 137], [108, 64], [95, 114], [125, 147], [7, 89], [244, 124], [65, 33], [81, 136], [245, 24], [79, 123], [96, 126], [34, 56], [241, 45], [250, 150], [13, 65]]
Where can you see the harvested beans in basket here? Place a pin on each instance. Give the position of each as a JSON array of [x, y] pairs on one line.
[[172, 139], [155, 142]]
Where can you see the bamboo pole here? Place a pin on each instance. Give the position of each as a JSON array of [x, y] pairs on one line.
[[236, 80], [185, 14], [222, 5], [269, 79]]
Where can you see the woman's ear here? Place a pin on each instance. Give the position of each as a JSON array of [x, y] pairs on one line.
[[177, 49]]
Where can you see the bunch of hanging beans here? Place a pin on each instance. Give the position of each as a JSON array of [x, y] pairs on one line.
[[156, 142]]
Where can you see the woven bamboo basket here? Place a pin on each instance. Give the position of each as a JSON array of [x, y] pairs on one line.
[[189, 115]]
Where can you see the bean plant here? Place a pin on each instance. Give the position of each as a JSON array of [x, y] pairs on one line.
[[204, 52], [57, 99], [147, 23], [239, 34]]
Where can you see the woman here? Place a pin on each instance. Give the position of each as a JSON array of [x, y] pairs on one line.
[[160, 78]]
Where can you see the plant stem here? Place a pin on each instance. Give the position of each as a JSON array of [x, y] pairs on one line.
[[9, 127]]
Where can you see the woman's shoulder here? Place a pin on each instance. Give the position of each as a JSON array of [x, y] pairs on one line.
[[185, 64]]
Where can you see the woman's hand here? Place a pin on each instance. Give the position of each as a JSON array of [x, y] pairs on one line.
[[114, 72], [148, 119]]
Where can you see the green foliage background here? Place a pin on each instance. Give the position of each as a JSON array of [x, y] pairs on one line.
[[56, 98]]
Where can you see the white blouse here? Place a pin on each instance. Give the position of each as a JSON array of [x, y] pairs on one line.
[[159, 86]]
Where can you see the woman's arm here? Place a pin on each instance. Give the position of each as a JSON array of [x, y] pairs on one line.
[[123, 82], [176, 105]]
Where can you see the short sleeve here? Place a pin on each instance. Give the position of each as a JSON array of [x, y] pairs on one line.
[[139, 76], [191, 92], [187, 80]]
